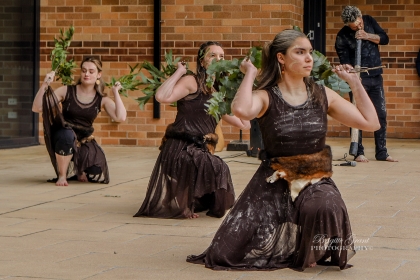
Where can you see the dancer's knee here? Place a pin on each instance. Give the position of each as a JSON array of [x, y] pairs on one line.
[[64, 142]]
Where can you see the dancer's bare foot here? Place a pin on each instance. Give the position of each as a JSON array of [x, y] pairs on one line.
[[194, 216], [189, 214], [312, 264], [361, 158], [390, 159], [82, 178], [62, 181]]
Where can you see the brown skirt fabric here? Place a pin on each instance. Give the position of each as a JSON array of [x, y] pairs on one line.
[[265, 230], [90, 155], [187, 179]]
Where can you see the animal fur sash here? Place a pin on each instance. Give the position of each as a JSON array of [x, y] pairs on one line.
[[301, 170], [207, 142]]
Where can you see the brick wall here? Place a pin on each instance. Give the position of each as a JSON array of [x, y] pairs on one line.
[[401, 20], [237, 25], [120, 32]]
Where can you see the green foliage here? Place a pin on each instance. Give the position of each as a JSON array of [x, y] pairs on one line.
[[157, 77], [322, 73], [128, 82], [63, 68], [225, 78]]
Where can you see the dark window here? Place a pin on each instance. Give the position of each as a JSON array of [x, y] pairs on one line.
[[19, 33]]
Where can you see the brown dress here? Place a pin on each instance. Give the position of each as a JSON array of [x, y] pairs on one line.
[[265, 230], [187, 178], [78, 117]]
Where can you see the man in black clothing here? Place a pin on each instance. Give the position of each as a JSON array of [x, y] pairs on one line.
[[368, 30]]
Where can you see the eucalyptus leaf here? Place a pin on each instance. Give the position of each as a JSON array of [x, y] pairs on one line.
[[225, 77], [157, 77], [128, 82], [63, 68]]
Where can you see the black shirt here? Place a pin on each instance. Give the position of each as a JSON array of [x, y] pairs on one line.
[[345, 46]]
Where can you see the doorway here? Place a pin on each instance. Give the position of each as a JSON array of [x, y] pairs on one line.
[[314, 12]]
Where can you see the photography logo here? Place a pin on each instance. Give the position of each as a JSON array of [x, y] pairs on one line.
[[322, 242]]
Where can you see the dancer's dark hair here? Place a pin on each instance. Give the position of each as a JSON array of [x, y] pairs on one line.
[[270, 74], [201, 71]]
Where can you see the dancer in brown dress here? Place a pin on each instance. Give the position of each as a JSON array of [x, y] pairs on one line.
[[266, 229], [68, 116], [187, 177]]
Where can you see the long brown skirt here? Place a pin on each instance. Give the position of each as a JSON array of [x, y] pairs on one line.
[[265, 230], [186, 180]]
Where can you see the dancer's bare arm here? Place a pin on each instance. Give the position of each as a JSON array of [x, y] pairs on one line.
[[237, 122], [115, 108], [59, 92], [363, 116], [176, 86], [249, 104]]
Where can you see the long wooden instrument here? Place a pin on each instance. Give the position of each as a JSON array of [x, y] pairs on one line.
[[354, 131]]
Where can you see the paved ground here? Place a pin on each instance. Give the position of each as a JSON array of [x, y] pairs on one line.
[[86, 231]]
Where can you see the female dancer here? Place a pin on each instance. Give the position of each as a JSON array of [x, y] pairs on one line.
[[187, 177], [268, 229], [68, 115]]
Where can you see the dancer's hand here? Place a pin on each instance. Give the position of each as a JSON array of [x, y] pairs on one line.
[[182, 67], [116, 87], [344, 72], [49, 77], [247, 66]]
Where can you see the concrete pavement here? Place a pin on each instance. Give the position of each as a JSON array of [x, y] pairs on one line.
[[86, 231]]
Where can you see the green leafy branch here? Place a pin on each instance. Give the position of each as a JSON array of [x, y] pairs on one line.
[[128, 82], [226, 77], [156, 77], [322, 74], [63, 68]]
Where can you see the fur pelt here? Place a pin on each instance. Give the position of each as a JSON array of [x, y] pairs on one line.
[[211, 140], [207, 142], [302, 170]]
